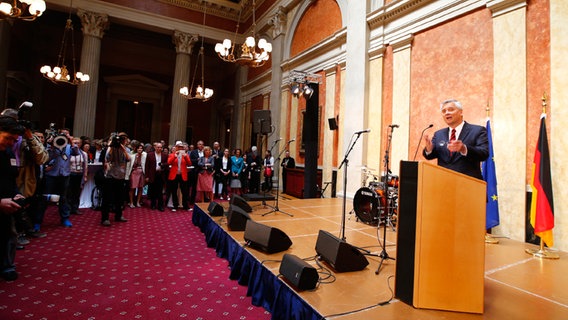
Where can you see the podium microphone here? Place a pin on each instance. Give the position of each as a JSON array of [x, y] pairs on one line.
[[420, 141], [363, 131], [291, 141]]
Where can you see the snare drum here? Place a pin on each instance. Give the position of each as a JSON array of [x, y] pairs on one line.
[[368, 203], [392, 181]]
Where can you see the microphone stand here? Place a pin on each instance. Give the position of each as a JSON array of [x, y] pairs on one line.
[[275, 208], [346, 163], [384, 255], [420, 141], [266, 187]]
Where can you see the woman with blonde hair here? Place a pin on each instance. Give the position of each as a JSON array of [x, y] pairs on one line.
[[206, 169]]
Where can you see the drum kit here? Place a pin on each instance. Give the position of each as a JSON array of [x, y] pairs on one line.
[[376, 202]]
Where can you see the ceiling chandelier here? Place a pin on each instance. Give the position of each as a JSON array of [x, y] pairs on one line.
[[301, 83], [201, 92], [253, 53], [60, 72], [17, 10]]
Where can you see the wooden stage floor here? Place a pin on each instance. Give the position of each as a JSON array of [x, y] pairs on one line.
[[517, 286]]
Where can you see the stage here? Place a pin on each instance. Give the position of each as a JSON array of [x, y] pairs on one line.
[[516, 285]]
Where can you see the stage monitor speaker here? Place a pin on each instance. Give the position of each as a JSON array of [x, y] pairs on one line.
[[261, 121], [300, 273], [332, 123], [237, 219], [340, 255], [215, 209], [241, 203], [266, 238]]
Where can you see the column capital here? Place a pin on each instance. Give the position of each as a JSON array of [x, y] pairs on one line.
[[500, 7], [278, 22], [93, 24], [184, 41]]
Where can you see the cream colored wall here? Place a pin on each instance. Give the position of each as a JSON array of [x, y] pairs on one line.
[[559, 119], [293, 125], [509, 122], [328, 134], [372, 153], [341, 131], [401, 108]]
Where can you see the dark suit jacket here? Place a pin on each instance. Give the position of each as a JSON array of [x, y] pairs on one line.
[[475, 139], [219, 165], [150, 170], [288, 163]]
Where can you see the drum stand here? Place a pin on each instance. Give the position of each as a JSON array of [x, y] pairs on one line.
[[384, 255], [275, 208]]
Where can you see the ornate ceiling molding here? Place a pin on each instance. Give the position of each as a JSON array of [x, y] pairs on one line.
[[220, 8]]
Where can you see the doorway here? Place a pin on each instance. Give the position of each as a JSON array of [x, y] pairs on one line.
[[135, 118]]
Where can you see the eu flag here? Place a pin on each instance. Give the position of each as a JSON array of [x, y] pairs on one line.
[[489, 176]]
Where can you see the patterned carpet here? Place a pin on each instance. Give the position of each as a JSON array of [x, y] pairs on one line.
[[155, 266]]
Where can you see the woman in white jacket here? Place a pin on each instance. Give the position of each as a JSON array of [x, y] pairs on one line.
[[135, 173]]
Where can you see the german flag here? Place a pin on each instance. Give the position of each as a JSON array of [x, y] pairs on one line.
[[542, 205]]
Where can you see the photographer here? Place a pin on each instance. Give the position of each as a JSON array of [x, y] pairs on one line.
[[10, 130], [29, 155], [116, 159], [78, 177], [57, 171], [179, 161]]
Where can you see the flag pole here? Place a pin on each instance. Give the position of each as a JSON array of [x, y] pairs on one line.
[[542, 252], [489, 239]]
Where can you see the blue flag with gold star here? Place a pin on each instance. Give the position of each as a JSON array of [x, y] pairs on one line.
[[489, 176]]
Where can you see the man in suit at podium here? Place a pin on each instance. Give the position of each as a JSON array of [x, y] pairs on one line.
[[460, 147]]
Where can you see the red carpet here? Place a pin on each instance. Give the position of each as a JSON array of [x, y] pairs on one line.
[[155, 266]]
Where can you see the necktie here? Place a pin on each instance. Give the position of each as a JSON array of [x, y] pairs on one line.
[[452, 138]]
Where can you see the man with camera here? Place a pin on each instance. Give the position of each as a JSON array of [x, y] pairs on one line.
[[10, 130], [179, 162], [29, 156], [57, 171], [156, 173]]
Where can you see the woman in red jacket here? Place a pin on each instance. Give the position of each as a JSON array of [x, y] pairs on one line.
[[178, 161]]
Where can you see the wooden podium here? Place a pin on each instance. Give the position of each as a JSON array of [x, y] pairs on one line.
[[440, 259]]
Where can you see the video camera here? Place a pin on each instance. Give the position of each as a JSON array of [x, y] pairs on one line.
[[115, 140], [59, 140], [25, 106]]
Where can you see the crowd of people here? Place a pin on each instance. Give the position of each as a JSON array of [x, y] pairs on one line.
[[51, 166]]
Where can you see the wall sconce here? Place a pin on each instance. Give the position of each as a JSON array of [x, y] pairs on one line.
[[301, 83]]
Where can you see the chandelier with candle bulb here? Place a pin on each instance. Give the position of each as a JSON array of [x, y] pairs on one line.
[[252, 53], [27, 10], [201, 92], [60, 73]]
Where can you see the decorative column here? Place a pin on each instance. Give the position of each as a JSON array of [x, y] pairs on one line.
[[509, 122], [402, 49], [355, 86], [277, 108], [93, 26], [178, 119]]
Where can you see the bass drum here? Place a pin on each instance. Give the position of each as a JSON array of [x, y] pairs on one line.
[[368, 204]]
